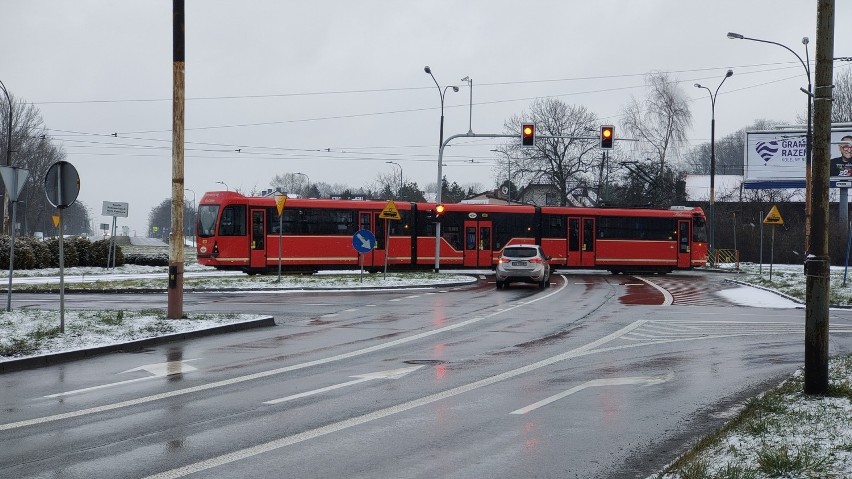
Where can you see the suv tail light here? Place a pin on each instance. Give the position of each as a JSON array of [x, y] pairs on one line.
[[535, 260], [505, 260]]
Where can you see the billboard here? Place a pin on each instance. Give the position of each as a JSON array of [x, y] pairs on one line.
[[776, 159]]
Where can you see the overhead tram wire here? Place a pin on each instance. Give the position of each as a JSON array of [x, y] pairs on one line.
[[385, 90], [410, 110]]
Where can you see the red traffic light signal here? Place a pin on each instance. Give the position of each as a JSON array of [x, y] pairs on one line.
[[607, 136], [528, 134]]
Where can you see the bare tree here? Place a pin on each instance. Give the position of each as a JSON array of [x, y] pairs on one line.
[[730, 151], [566, 162], [293, 183], [661, 120], [841, 105], [33, 149]]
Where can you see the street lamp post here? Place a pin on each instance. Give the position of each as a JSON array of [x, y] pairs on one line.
[[8, 150], [306, 177], [194, 210], [400, 175], [469, 81], [8, 130], [712, 242], [809, 134], [224, 184], [442, 93]]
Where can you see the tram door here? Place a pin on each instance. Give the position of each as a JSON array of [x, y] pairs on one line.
[[369, 220], [684, 254], [581, 241], [257, 250], [478, 244]]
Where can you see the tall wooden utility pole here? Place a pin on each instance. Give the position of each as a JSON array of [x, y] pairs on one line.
[[817, 265], [176, 242]]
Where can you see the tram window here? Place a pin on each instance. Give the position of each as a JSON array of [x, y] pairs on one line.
[[453, 236], [485, 238], [699, 229], [470, 237], [233, 221], [401, 227], [553, 226], [636, 228], [257, 230], [574, 234], [207, 220], [588, 234]]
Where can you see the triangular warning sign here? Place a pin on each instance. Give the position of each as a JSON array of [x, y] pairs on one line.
[[774, 217], [390, 212]]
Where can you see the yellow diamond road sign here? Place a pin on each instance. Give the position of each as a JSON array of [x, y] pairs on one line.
[[774, 217], [390, 212]]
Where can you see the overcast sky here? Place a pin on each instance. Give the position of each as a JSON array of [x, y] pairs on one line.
[[335, 89]]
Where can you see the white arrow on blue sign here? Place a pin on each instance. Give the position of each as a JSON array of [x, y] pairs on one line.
[[363, 241]]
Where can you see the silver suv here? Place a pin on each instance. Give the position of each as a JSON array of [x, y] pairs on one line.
[[526, 263]]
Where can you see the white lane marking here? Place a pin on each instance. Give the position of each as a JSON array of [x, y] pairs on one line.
[[330, 315], [387, 374], [157, 370], [272, 372], [645, 381], [389, 411], [351, 310], [405, 297], [102, 386], [667, 297]]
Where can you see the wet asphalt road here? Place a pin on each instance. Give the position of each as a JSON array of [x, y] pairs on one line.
[[598, 376]]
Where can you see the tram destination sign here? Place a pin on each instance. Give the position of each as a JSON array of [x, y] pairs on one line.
[[115, 209]]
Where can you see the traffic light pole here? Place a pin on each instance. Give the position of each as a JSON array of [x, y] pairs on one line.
[[440, 185]]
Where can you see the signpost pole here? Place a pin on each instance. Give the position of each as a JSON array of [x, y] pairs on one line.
[[112, 240], [760, 269], [280, 239], [61, 275], [14, 179], [280, 201], [9, 189], [11, 257], [387, 246], [772, 253]]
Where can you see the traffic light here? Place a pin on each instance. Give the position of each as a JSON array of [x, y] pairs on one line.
[[607, 135], [439, 212], [528, 134]]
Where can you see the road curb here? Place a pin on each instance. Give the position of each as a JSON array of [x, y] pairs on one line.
[[66, 356]]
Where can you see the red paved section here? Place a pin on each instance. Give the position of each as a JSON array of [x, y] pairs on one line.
[[686, 290]]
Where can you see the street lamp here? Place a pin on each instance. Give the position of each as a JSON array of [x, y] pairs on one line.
[[9, 130], [712, 242], [8, 150], [306, 177], [194, 210], [469, 81], [225, 184], [400, 174], [440, 187], [808, 138]]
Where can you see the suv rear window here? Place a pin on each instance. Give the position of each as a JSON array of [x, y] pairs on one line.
[[520, 252]]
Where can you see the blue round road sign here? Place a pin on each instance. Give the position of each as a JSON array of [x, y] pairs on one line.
[[363, 241]]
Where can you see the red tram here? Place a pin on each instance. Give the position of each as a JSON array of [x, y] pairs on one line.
[[243, 233]]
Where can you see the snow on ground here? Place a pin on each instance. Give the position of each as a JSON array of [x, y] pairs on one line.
[[27, 333], [757, 298]]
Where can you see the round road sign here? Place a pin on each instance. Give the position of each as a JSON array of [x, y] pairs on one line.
[[62, 184]]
